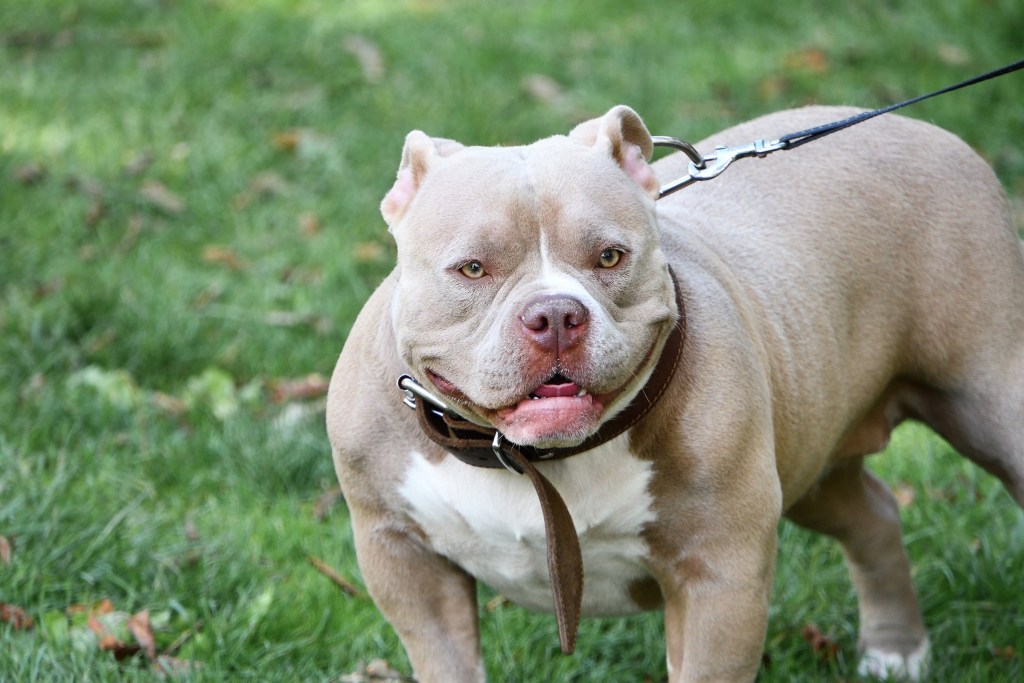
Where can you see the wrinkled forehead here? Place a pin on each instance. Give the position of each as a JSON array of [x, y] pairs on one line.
[[524, 184]]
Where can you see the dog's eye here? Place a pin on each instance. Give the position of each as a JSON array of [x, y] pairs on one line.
[[609, 258], [474, 270]]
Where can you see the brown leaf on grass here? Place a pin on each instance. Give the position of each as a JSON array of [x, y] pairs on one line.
[[5, 550], [344, 584], [137, 165], [810, 59], [90, 187], [95, 214], [367, 252], [173, 666], [312, 385], [225, 256], [773, 87], [40, 39], [31, 389], [824, 647], [904, 494], [496, 603], [543, 88], [16, 617], [309, 224], [377, 670], [142, 630], [326, 502], [265, 185], [30, 174], [953, 55], [369, 56], [157, 195], [172, 405], [287, 140], [104, 606], [1007, 652]]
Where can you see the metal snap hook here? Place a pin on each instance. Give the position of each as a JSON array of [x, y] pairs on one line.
[[681, 145]]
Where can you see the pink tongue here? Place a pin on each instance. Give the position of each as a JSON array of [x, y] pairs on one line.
[[556, 390]]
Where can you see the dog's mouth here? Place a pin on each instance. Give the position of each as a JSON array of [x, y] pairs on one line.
[[557, 386], [557, 412]]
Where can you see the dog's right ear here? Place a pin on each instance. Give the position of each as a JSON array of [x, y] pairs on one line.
[[418, 155]]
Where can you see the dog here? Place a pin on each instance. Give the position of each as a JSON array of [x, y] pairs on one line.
[[818, 298]]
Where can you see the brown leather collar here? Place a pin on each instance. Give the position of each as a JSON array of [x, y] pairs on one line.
[[486, 447]]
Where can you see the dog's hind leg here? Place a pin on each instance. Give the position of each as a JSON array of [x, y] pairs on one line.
[[859, 511], [984, 419]]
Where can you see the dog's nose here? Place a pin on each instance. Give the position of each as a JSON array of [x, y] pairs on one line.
[[555, 322]]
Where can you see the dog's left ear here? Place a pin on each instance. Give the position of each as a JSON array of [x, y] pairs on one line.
[[621, 133]]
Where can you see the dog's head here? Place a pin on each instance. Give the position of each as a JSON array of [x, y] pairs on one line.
[[532, 292]]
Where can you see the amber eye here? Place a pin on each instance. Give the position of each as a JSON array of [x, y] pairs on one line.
[[474, 270], [609, 258]]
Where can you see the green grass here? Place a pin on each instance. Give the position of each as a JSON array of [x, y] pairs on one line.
[[276, 144]]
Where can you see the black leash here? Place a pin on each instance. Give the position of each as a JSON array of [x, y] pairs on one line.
[[712, 165]]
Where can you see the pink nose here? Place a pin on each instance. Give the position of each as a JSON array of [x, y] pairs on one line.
[[555, 322]]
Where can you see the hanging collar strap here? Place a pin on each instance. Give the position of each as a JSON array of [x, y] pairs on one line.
[[486, 447]]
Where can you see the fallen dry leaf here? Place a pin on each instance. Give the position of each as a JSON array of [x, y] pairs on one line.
[[543, 88], [5, 550], [377, 670], [16, 617], [287, 140], [31, 389], [173, 666], [90, 187], [953, 55], [95, 213], [169, 404], [367, 252], [224, 256], [824, 647], [904, 494], [344, 584], [1008, 652], [142, 630], [811, 59], [309, 224], [30, 174], [104, 606], [265, 185], [160, 197], [312, 385], [496, 603], [268, 184], [137, 165], [369, 56], [326, 502]]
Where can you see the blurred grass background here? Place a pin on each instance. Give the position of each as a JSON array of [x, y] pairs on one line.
[[189, 225]]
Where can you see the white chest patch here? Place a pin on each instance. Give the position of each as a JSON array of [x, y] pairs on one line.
[[489, 522]]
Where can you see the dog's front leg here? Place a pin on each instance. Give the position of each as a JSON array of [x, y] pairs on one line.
[[430, 602], [716, 606]]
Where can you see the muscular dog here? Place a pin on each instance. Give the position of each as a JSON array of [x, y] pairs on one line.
[[827, 295]]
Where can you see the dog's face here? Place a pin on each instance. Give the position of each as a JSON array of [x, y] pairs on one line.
[[532, 292]]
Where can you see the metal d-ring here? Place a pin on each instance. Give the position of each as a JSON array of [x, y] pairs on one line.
[[499, 453]]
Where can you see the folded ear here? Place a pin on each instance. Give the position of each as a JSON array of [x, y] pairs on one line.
[[621, 134], [419, 153]]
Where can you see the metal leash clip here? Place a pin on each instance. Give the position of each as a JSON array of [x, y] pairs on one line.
[[712, 165]]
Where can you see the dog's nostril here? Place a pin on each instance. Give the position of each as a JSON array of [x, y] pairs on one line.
[[555, 322]]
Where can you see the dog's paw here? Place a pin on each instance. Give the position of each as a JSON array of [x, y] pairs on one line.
[[884, 665]]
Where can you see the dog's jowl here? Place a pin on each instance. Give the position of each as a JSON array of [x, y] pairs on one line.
[[675, 376]]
